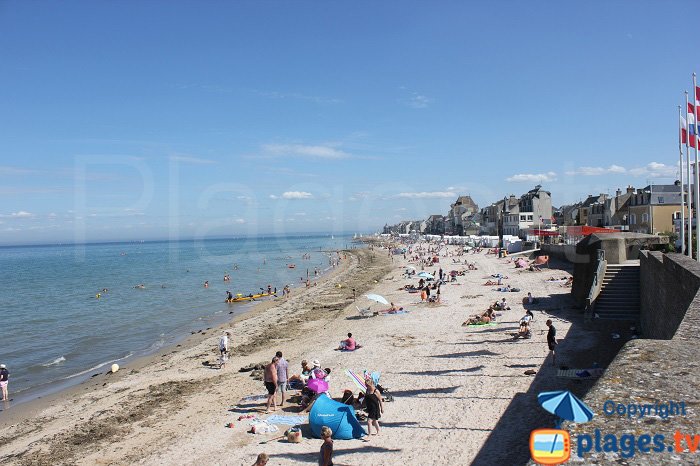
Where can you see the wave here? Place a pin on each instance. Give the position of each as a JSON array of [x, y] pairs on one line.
[[96, 367], [58, 360]]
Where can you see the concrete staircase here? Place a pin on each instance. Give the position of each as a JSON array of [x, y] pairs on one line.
[[619, 296]]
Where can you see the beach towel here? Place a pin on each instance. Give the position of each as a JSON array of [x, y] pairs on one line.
[[286, 420], [482, 324], [262, 427], [580, 373]]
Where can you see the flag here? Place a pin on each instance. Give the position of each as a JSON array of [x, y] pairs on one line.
[[691, 125], [684, 131]]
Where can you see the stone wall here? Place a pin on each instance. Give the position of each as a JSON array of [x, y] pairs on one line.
[[668, 285], [651, 371]]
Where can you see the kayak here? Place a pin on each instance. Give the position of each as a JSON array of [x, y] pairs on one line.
[[249, 298]]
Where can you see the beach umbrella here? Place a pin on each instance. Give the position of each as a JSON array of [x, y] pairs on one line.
[[564, 404], [425, 275], [378, 298], [317, 385], [357, 380]]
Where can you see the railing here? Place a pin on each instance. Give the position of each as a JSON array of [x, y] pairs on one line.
[[601, 265]]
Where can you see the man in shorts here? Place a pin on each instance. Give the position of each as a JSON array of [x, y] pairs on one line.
[[282, 375], [271, 383]]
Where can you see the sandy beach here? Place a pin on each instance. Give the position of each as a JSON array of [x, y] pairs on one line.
[[459, 392]]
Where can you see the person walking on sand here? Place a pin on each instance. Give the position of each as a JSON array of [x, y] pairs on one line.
[[4, 380], [552, 339], [223, 349], [375, 406], [326, 453], [282, 375], [262, 460], [271, 383]]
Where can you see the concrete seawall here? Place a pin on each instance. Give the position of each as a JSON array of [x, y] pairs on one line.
[[664, 367]]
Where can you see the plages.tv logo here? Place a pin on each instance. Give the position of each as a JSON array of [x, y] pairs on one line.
[[553, 446]]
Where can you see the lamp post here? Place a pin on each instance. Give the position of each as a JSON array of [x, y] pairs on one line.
[[502, 220]]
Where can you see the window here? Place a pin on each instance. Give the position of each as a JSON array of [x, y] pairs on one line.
[[645, 218], [529, 217], [633, 219], [661, 199], [522, 218]]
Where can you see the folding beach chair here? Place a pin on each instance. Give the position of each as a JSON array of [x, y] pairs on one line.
[[365, 312]]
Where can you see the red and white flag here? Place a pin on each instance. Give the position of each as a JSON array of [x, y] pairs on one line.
[[690, 124], [684, 130]]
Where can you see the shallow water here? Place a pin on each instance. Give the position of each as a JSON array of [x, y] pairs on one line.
[[55, 329]]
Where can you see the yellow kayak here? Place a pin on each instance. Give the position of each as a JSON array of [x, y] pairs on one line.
[[248, 298]]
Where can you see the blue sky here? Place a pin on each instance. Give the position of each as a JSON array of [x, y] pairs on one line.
[[140, 120]]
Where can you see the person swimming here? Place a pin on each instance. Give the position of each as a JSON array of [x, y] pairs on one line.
[[206, 284], [229, 296], [140, 286]]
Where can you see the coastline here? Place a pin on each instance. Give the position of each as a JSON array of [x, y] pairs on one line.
[[19, 422], [459, 392], [137, 359]]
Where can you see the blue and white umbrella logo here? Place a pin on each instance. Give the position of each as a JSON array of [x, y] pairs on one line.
[[565, 405]]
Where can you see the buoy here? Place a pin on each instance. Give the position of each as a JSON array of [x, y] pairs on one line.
[[115, 368]]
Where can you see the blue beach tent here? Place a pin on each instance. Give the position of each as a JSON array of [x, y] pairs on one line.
[[338, 416]]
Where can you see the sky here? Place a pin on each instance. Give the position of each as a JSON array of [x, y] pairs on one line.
[[171, 119]]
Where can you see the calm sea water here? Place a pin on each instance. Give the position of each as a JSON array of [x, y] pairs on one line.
[[55, 332]]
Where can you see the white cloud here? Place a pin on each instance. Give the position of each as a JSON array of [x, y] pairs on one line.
[[297, 96], [418, 101], [20, 214], [533, 177], [303, 150], [192, 160], [596, 171], [297, 195], [272, 196], [426, 195], [5, 170], [655, 170], [239, 220]]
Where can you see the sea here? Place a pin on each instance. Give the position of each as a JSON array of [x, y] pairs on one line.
[[58, 327]]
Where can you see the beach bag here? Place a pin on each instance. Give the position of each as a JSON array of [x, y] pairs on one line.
[[294, 435]]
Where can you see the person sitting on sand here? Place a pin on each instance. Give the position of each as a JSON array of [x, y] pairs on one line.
[[348, 344], [302, 377], [262, 460], [529, 300], [525, 325], [492, 282], [505, 289], [502, 305]]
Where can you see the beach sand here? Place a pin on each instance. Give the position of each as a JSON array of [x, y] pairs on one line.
[[460, 393]]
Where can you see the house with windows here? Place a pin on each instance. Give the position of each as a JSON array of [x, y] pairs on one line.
[[652, 209]]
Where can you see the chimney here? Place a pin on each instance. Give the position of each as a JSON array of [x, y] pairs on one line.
[[618, 193], [630, 190]]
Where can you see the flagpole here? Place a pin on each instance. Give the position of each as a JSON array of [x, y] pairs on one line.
[[687, 178], [696, 178], [680, 156]]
